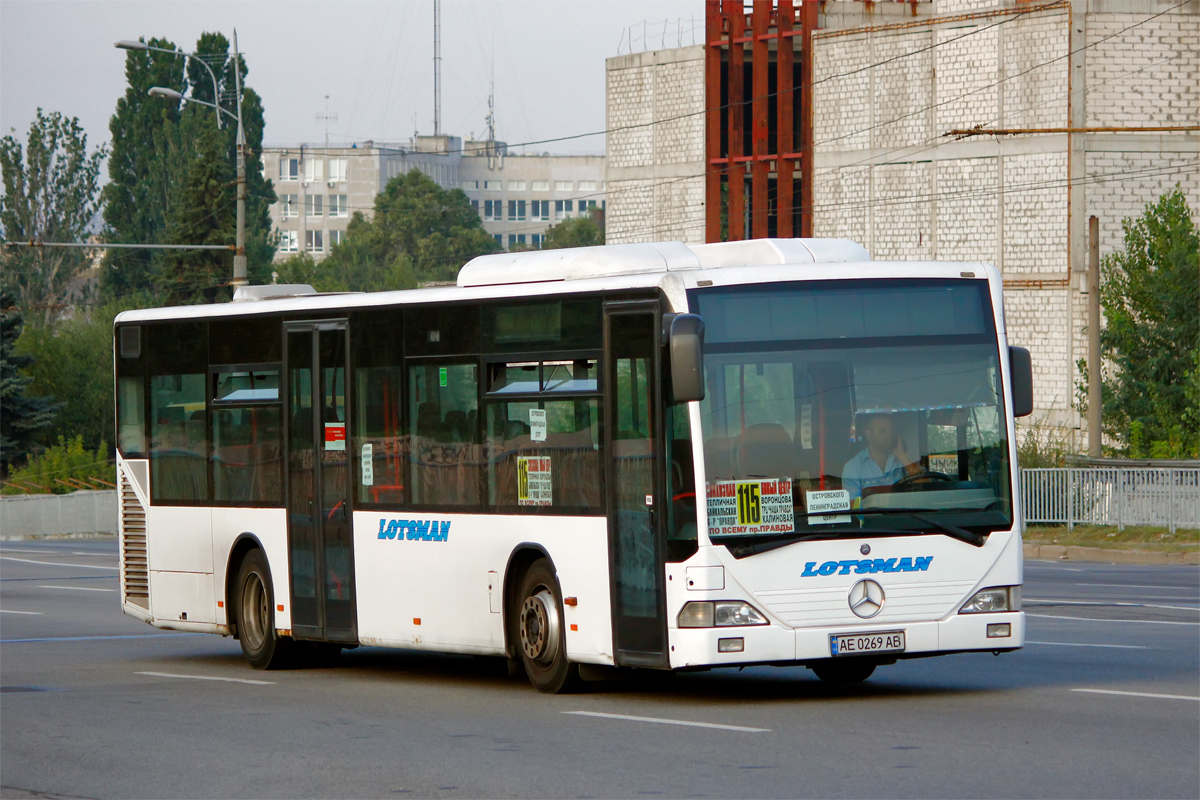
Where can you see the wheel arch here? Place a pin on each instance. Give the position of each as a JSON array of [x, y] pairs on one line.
[[519, 560], [242, 545]]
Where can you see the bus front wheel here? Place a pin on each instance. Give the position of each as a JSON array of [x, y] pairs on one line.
[[256, 615], [541, 641]]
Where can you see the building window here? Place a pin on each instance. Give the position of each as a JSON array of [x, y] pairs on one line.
[[337, 205], [314, 169], [312, 205], [586, 205], [499, 237], [563, 208], [493, 186], [289, 169], [536, 240], [516, 238], [541, 186], [475, 207], [587, 186], [470, 186], [336, 238], [540, 210], [516, 186], [287, 241], [562, 186], [337, 169], [516, 210], [314, 241], [288, 206], [493, 209]]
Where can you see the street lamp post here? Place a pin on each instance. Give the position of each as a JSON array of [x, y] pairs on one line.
[[239, 253]]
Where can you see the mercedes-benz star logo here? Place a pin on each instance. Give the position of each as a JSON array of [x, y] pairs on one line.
[[866, 599]]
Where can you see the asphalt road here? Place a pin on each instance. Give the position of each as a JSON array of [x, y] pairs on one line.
[[1103, 702]]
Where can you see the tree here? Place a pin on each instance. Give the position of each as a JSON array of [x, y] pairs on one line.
[[156, 175], [1151, 298], [420, 232], [21, 416], [578, 232], [51, 193]]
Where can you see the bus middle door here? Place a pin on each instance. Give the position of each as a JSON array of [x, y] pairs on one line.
[[634, 449], [321, 561]]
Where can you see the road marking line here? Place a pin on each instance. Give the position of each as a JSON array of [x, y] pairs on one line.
[[660, 721], [94, 638], [55, 563], [1079, 644], [1094, 619], [1103, 603], [206, 678], [32, 613], [1137, 586], [78, 588], [1139, 694]]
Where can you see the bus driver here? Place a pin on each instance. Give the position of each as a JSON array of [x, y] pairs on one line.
[[882, 462]]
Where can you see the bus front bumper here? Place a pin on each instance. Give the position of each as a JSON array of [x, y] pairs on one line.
[[775, 644]]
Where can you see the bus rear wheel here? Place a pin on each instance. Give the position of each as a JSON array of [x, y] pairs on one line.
[[256, 615], [844, 672], [540, 638]]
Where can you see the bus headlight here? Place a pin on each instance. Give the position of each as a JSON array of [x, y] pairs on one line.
[[719, 614], [991, 600]]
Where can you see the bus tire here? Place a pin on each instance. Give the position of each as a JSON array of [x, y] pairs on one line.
[[844, 672], [540, 632], [262, 648]]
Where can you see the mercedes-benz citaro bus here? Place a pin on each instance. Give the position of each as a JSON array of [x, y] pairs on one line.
[[652, 456]]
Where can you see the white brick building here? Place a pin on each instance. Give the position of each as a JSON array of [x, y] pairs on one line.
[[891, 79]]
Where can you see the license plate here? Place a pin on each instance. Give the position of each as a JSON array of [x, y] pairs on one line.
[[854, 644]]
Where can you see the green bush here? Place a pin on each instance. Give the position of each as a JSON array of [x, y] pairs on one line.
[[63, 468]]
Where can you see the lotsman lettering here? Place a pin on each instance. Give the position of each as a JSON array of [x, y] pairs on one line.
[[905, 565], [847, 566], [922, 563], [828, 568], [808, 570]]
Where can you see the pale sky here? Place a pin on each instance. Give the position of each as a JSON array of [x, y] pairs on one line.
[[374, 58]]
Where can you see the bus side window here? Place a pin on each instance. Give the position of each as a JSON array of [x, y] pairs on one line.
[[445, 456]]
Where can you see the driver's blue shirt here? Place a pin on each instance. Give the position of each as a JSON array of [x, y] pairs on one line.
[[861, 472]]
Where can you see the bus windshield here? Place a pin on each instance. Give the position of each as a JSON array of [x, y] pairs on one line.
[[851, 408]]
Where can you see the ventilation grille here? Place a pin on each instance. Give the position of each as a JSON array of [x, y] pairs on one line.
[[134, 575]]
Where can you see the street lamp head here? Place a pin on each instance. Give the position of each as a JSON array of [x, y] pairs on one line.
[[159, 91], [126, 44]]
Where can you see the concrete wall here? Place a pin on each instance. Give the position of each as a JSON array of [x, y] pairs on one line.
[[27, 516], [655, 172]]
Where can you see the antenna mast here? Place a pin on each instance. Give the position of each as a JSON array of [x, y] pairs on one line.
[[437, 68], [326, 118]]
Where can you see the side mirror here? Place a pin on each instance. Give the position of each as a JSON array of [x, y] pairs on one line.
[[686, 349], [1020, 367]]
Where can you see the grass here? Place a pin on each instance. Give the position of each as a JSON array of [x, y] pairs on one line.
[[1134, 537]]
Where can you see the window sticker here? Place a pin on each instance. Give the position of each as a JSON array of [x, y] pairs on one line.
[[537, 424], [750, 507], [442, 380], [335, 436], [533, 481], [806, 426], [821, 503], [947, 464], [368, 465]]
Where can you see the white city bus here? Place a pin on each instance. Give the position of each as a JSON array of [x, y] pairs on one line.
[[649, 455]]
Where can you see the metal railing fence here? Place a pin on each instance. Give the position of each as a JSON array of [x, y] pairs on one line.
[[1118, 496]]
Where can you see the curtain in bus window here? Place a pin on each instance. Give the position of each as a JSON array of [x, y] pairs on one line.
[[543, 455], [379, 439], [178, 446], [445, 449], [247, 455], [131, 416]]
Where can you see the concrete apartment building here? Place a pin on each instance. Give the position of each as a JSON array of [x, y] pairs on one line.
[[1064, 83], [517, 196]]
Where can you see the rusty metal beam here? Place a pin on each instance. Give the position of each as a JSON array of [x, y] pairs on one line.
[[808, 25], [759, 117], [785, 130], [714, 29], [737, 188]]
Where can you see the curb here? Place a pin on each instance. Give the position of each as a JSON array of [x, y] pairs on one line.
[[1058, 552]]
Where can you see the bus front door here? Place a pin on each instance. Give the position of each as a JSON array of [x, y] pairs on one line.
[[633, 446], [320, 559]]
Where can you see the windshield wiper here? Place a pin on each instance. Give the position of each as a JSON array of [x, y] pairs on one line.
[[962, 534]]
